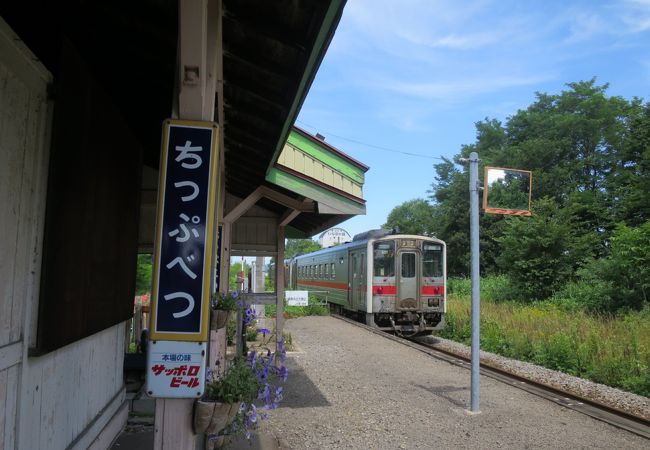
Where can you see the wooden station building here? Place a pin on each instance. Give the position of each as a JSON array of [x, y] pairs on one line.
[[84, 89]]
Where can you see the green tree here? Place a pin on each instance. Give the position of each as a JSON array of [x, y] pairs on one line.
[[144, 271], [412, 217], [627, 267], [537, 252], [588, 151], [631, 181], [294, 247], [235, 268]]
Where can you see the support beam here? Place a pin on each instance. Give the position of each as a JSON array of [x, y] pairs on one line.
[[244, 206], [287, 201], [264, 191], [288, 216]]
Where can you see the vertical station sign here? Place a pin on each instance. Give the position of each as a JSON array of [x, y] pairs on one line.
[[182, 273], [184, 232]]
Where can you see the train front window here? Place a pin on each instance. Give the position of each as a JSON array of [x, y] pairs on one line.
[[432, 260], [408, 265], [384, 259]]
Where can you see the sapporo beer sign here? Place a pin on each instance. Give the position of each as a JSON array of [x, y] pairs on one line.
[[184, 231], [176, 369]]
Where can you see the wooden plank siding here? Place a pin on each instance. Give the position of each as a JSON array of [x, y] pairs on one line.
[[65, 398], [92, 213], [23, 159], [334, 175], [69, 389]]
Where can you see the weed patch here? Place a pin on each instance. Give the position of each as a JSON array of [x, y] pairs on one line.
[[605, 348]]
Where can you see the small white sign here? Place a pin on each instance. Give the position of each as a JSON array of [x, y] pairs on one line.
[[297, 298], [176, 369]]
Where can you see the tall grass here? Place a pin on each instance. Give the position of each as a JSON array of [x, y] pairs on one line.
[[608, 349]]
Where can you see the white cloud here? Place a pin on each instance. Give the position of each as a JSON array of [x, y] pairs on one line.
[[463, 88], [585, 26]]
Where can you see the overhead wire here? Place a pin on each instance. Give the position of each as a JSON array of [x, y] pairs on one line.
[[378, 147]]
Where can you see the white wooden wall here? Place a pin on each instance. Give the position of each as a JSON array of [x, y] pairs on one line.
[[70, 397], [71, 394], [23, 161]]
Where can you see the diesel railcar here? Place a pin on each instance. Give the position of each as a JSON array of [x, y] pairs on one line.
[[394, 282]]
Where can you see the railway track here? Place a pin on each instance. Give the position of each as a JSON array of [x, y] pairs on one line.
[[605, 413]]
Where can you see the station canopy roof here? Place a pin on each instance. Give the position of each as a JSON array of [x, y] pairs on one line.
[[271, 52]]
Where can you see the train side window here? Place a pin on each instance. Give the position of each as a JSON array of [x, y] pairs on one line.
[[384, 259], [333, 270], [320, 271], [327, 271]]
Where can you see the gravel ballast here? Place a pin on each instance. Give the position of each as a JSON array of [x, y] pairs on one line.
[[349, 388]]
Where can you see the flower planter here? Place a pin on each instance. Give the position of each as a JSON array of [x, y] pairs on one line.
[[211, 417], [220, 318]]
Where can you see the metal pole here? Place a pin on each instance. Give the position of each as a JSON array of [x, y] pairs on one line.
[[476, 294]]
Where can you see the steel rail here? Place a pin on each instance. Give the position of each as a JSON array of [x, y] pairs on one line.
[[597, 410]]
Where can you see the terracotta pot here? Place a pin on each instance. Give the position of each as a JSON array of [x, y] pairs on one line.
[[212, 417], [220, 318]]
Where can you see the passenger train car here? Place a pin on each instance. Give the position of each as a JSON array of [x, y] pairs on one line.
[[395, 282]]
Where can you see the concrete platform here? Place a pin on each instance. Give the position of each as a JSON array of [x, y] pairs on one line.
[[352, 389]]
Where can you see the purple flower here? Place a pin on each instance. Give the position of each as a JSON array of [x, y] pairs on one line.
[[234, 294], [281, 352], [265, 394], [252, 358], [252, 414], [264, 331], [249, 316]]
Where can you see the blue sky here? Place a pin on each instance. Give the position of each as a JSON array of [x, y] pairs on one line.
[[415, 75]]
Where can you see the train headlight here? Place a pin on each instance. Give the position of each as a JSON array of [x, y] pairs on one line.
[[433, 302]]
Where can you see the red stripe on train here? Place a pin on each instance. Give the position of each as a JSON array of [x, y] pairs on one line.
[[433, 290], [324, 284], [384, 290]]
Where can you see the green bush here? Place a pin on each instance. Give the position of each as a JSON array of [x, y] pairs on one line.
[[589, 292], [313, 309], [231, 330], [251, 334], [495, 287]]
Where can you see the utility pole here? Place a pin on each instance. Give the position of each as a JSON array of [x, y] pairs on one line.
[[476, 281], [474, 189]]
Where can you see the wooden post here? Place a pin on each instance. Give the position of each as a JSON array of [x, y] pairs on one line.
[[137, 325], [279, 285], [200, 61]]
